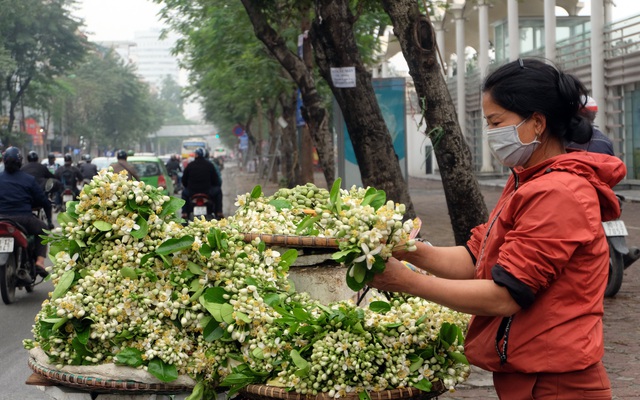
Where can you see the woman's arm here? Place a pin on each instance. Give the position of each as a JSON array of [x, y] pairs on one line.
[[445, 262], [472, 296]]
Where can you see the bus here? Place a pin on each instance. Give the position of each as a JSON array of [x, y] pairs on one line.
[[190, 145]]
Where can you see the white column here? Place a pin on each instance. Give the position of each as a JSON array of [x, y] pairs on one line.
[[458, 11], [597, 60], [483, 64], [439, 26], [608, 11], [550, 30], [514, 29]]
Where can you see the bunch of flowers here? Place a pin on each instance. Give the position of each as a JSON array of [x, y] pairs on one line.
[[133, 286], [367, 226]]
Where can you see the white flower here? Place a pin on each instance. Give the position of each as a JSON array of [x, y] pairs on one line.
[[368, 255]]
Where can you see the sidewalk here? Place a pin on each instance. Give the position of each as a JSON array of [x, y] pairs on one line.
[[622, 313]]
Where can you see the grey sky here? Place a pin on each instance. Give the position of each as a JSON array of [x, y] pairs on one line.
[[117, 19]]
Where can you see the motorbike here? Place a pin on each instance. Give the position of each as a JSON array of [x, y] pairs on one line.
[[175, 177], [620, 255], [201, 205], [17, 260], [67, 195]]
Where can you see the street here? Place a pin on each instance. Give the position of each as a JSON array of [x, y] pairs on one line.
[[622, 313]]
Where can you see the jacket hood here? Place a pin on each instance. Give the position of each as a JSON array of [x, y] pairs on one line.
[[601, 170]]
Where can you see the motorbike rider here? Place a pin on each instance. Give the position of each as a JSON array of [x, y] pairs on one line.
[[175, 169], [69, 175], [200, 176], [41, 173], [123, 165], [19, 195], [87, 169], [51, 164], [599, 142]]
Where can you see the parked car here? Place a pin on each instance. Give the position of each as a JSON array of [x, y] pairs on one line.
[[152, 171], [103, 162]]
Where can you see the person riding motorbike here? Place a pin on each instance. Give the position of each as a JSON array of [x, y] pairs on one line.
[[69, 175], [200, 176], [41, 173], [87, 169], [19, 195], [175, 169], [51, 164], [123, 165]]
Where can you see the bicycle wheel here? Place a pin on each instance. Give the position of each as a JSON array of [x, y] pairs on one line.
[[8, 280]]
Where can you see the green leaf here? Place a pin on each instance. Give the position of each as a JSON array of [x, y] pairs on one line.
[[65, 282], [213, 331], [205, 250], [172, 206], [301, 363], [215, 295], [143, 230], [195, 268], [221, 312], [359, 272], [198, 392], [71, 209], [243, 317], [83, 335], [288, 258], [425, 385], [379, 200], [334, 194], [128, 272], [364, 395], [280, 204], [163, 371], [416, 364], [352, 283], [380, 306], [368, 196], [103, 226], [272, 299], [59, 324], [256, 192], [174, 245], [458, 357], [130, 356], [257, 353], [300, 314], [64, 218]]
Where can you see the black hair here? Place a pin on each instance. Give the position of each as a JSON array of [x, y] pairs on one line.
[[527, 86]]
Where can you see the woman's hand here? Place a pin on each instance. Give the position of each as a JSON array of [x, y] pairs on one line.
[[396, 277]]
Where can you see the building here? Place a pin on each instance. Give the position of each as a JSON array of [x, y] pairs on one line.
[[603, 54], [153, 58]]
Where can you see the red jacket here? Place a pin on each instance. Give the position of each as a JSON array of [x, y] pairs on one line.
[[546, 232]]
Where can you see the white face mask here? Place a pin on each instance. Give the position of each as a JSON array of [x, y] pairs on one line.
[[506, 146]]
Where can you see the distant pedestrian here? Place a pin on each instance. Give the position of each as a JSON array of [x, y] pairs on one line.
[[599, 142]]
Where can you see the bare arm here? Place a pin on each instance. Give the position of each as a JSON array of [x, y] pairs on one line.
[[445, 262], [472, 296]]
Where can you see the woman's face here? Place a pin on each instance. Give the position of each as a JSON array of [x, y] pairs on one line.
[[497, 117]]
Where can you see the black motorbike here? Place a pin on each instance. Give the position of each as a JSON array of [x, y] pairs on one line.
[[620, 256], [17, 260], [201, 206]]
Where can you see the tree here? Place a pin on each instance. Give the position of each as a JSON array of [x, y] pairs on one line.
[[171, 101], [43, 41], [417, 40]]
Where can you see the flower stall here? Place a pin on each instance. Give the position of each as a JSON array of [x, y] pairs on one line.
[[144, 304]]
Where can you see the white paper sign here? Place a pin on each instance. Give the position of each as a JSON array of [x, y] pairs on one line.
[[343, 77]]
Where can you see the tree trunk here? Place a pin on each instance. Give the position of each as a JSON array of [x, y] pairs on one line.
[[289, 140], [314, 113], [417, 40], [335, 46]]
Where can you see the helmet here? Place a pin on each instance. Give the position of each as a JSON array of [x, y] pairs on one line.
[[121, 155], [32, 156], [68, 158], [12, 159], [51, 156], [87, 157], [589, 103], [200, 152]]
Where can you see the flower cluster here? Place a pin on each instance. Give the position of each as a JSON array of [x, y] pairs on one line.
[[135, 287]]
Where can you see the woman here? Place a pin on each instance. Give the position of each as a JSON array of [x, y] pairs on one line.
[[534, 275], [19, 194]]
